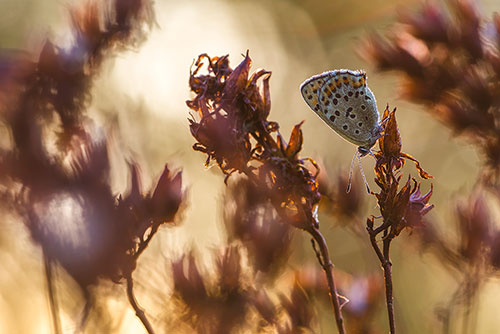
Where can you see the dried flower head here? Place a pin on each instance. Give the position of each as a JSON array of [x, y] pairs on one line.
[[234, 131]]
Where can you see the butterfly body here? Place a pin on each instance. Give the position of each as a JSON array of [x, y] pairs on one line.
[[342, 99]]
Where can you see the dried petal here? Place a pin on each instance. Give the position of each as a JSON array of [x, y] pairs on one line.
[[390, 142], [166, 197], [237, 80], [418, 206], [295, 142]]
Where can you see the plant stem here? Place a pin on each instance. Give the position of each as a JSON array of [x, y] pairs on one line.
[[54, 309], [387, 267], [86, 310], [327, 265], [474, 310], [139, 312]]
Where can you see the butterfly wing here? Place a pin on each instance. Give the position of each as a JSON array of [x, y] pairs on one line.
[[344, 102], [311, 90]]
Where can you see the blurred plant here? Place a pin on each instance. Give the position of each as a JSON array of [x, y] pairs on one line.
[[56, 173], [230, 299], [337, 201], [347, 207], [218, 307], [231, 127], [251, 219], [471, 256], [364, 291], [400, 207], [450, 63]]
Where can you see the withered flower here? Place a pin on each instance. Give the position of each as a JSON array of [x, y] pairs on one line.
[[405, 208], [476, 234], [231, 298], [232, 113], [227, 103]]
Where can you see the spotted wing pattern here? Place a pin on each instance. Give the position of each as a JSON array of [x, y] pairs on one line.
[[343, 100]]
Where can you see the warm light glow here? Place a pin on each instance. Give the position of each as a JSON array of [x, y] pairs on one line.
[[62, 216]]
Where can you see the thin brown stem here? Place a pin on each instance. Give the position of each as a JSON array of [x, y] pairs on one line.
[[139, 312], [387, 265], [449, 311], [373, 241], [316, 251], [470, 292], [89, 302], [384, 258], [327, 265], [446, 320], [54, 308], [144, 243], [474, 311]]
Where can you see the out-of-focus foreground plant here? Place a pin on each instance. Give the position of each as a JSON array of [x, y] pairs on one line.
[[56, 173]]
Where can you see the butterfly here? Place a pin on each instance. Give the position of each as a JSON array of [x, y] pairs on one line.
[[342, 99]]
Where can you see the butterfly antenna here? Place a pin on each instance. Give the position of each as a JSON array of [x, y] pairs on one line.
[[363, 174], [350, 172]]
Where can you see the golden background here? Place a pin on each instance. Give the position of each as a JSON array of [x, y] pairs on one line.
[[144, 92]]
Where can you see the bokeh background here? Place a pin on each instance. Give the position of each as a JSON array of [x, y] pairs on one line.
[[141, 95]]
